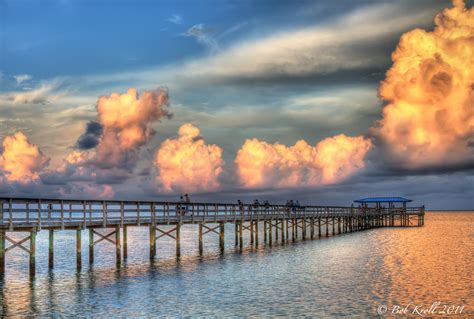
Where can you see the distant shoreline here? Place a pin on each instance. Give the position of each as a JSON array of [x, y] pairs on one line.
[[449, 210]]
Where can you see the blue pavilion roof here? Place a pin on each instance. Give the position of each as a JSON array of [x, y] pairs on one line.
[[383, 200]]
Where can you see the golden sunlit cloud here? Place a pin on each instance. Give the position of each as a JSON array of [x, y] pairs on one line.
[[429, 118], [21, 161], [188, 163], [126, 120], [260, 164]]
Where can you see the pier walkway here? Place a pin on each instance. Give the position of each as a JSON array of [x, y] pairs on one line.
[[165, 219]]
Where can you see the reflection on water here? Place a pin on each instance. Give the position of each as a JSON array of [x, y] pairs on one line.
[[351, 274]]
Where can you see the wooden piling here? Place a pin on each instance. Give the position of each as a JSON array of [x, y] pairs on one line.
[[270, 232], [333, 226], [118, 248], [327, 226], [265, 231], [236, 234], [319, 227], [256, 232], [293, 230], [178, 240], [241, 235], [221, 236], [152, 242], [125, 242], [282, 229], [303, 225], [51, 249], [2, 252], [200, 239], [251, 232], [312, 228], [91, 246], [33, 251], [79, 249]]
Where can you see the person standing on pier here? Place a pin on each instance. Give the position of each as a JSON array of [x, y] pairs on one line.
[[188, 202], [241, 207], [180, 206]]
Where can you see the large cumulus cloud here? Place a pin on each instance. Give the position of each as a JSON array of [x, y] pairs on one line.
[[429, 118], [188, 163]]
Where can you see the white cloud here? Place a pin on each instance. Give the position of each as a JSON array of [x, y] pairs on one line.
[[176, 19], [203, 35], [43, 93], [20, 78]]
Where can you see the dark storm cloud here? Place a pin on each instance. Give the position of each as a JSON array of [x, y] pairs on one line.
[[91, 136]]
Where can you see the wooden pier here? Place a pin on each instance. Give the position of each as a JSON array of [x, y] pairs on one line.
[[165, 219]]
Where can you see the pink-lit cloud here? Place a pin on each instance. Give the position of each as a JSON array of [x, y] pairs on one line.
[[187, 163]]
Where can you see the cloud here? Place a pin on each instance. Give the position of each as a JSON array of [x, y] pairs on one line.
[[352, 42], [91, 136], [20, 160], [263, 165], [126, 121], [203, 35], [44, 93], [429, 117], [176, 19], [20, 78], [187, 163]]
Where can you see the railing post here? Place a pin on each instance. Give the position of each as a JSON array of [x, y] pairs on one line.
[[39, 214], [62, 214], [10, 213], [84, 214], [104, 214]]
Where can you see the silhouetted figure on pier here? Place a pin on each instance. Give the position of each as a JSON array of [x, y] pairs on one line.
[[187, 203], [241, 207], [180, 206]]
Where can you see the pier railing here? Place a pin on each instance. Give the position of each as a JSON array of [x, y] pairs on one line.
[[164, 219], [54, 213]]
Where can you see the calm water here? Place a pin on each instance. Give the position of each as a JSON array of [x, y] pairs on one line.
[[348, 275]]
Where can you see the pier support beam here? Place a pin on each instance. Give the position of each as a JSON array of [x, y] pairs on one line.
[[265, 231], [221, 236], [256, 232], [319, 227], [79, 249], [200, 238], [241, 235], [282, 229], [125, 242], [178, 240], [33, 251], [327, 226], [91, 246], [270, 232], [152, 242], [251, 232], [2, 252], [118, 248], [51, 249]]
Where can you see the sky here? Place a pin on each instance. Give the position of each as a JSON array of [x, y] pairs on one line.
[[321, 101]]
